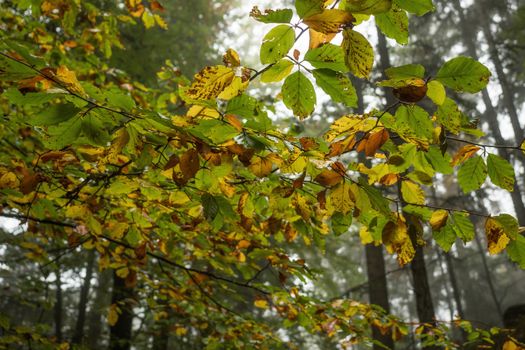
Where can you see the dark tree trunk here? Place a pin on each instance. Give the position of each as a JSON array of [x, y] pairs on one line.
[[83, 300], [120, 333], [57, 310], [488, 277], [100, 303], [424, 305], [377, 289]]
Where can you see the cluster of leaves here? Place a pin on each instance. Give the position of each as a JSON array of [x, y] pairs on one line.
[[217, 193]]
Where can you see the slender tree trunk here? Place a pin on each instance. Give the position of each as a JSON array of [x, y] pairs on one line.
[[377, 289], [57, 310], [490, 112], [83, 300], [101, 302], [120, 333], [448, 293], [424, 305], [489, 277], [456, 292]]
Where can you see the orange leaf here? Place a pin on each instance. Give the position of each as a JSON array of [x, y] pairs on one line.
[[328, 178], [463, 154]]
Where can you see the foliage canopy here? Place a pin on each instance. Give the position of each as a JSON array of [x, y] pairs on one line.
[[192, 194]]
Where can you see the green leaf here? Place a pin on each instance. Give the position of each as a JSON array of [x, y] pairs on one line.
[[341, 223], [243, 105], [210, 206], [419, 7], [64, 134], [273, 16], [463, 227], [412, 193], [94, 131], [120, 100], [440, 162], [472, 174], [436, 92], [29, 99], [394, 24], [277, 72], [413, 122], [215, 130], [422, 212], [359, 54], [337, 86], [55, 114], [299, 94], [516, 251], [368, 7], [464, 74], [378, 201], [445, 237], [407, 71], [501, 172], [327, 56], [277, 43], [449, 115], [307, 8]]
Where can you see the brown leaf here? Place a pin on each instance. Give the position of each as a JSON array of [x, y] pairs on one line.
[[330, 21], [328, 178], [463, 154], [190, 163], [372, 142]]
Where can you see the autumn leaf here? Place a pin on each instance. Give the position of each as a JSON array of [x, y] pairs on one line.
[[497, 237], [210, 82], [329, 21], [438, 219], [463, 154], [113, 315], [359, 54], [328, 178]]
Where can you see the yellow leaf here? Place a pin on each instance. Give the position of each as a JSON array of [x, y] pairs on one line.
[[365, 236], [210, 82], [231, 58], [113, 315], [349, 125], [329, 21], [463, 154], [260, 166], [511, 345], [522, 146], [241, 257], [359, 54], [317, 39], [261, 303], [69, 79], [497, 239], [9, 180], [180, 331], [438, 219], [412, 192], [236, 87], [160, 21], [397, 240], [201, 111], [341, 198]]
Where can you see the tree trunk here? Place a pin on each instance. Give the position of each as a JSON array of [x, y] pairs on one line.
[[377, 289], [100, 303], [489, 277], [57, 310], [456, 292], [424, 305], [120, 333], [83, 300]]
